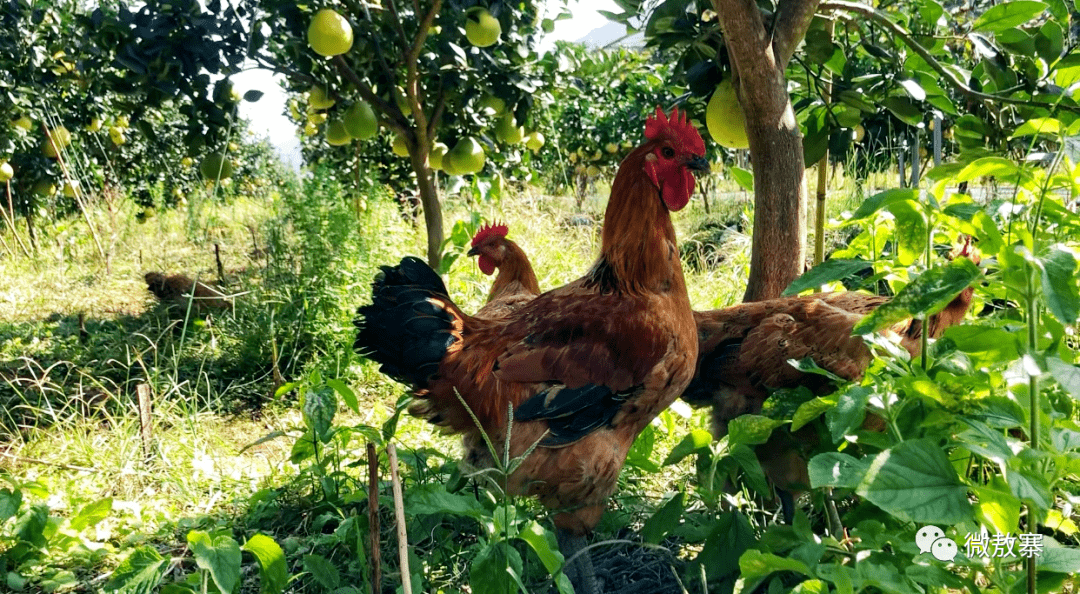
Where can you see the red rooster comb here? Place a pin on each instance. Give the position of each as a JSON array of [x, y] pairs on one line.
[[486, 231], [677, 127]]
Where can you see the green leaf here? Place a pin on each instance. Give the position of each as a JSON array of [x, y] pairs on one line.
[[1058, 559], [432, 498], [1050, 126], [744, 178], [1029, 484], [751, 429], [10, 501], [915, 482], [1066, 375], [849, 412], [219, 555], [322, 570], [139, 573], [1009, 14], [665, 520], [913, 89], [927, 294], [982, 440], [91, 514], [747, 460], [491, 569], [910, 231], [272, 569], [881, 200], [730, 536], [811, 587], [905, 109], [544, 544], [694, 441], [756, 564], [810, 410], [827, 272], [997, 508], [346, 393], [319, 406], [834, 469], [996, 343], [995, 166], [1059, 285]]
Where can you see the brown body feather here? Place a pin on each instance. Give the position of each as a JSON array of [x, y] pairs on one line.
[[744, 352], [177, 289]]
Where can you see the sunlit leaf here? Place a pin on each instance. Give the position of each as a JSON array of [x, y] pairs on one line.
[[829, 271], [695, 440], [91, 514], [752, 429], [914, 480], [1059, 284], [220, 555], [272, 569], [882, 200], [927, 294], [1051, 126], [139, 573], [1009, 14], [756, 564]]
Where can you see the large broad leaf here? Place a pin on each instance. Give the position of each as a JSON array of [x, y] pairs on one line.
[[272, 569], [666, 519], [881, 200], [756, 564], [1009, 14], [91, 514], [319, 406], [1066, 375], [322, 570], [833, 469], [744, 178], [751, 429], [731, 535], [996, 166], [927, 294], [139, 573], [432, 498], [1059, 285], [495, 569], [997, 508], [827, 272], [694, 441], [996, 343], [220, 555], [849, 412], [987, 442], [910, 230], [1058, 559], [1050, 126], [10, 501], [905, 109], [914, 481]]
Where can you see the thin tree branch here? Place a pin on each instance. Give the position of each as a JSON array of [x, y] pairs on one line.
[[394, 119], [412, 90], [397, 22], [883, 19], [790, 23]]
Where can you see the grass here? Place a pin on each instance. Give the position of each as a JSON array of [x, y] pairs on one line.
[[299, 261]]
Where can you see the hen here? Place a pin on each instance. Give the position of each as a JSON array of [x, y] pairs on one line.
[[582, 368], [516, 282], [743, 355], [177, 289]]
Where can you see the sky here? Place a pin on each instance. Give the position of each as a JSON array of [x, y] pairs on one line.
[[267, 115]]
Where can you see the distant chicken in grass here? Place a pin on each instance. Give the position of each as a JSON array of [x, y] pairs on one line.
[[516, 282], [177, 289], [743, 355], [582, 368]]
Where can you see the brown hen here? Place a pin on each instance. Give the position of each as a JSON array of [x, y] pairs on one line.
[[516, 282]]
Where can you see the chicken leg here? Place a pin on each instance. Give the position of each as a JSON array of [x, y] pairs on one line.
[[579, 567]]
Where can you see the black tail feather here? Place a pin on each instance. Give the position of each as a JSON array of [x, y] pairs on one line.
[[406, 329]]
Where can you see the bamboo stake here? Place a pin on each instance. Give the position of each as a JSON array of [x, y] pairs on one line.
[[145, 430], [9, 218], [375, 558], [823, 174], [399, 515]]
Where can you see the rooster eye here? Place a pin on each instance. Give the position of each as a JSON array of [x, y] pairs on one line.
[[668, 152]]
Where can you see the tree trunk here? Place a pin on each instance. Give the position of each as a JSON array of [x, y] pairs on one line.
[[780, 193], [429, 198]]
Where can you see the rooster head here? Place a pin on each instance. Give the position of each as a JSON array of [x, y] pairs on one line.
[[676, 150], [489, 245]]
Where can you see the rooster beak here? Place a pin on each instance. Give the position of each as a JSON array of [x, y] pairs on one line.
[[473, 252], [698, 164]]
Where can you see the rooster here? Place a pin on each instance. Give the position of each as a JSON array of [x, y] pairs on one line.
[[516, 283], [743, 355], [581, 369]]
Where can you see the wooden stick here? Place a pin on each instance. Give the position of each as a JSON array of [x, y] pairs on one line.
[[145, 420], [9, 218], [399, 515], [375, 557]]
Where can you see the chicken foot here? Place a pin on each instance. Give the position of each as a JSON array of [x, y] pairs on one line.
[[579, 566]]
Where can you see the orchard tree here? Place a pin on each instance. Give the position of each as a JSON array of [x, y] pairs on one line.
[[806, 72], [439, 75]]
